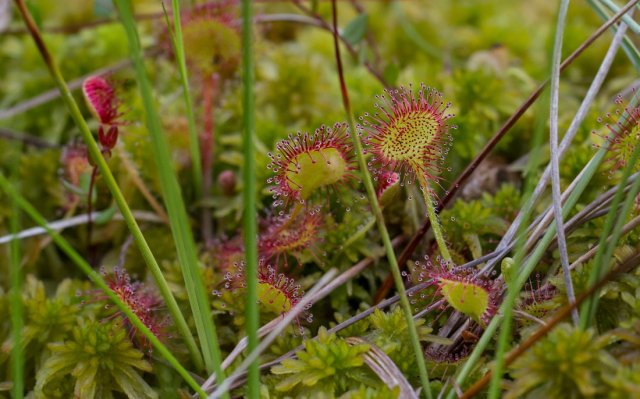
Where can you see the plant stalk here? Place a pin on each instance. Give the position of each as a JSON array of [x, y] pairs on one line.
[[433, 217], [377, 212], [249, 195], [17, 309]]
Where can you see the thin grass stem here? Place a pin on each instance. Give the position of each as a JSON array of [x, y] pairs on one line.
[[377, 212], [194, 143], [249, 195], [512, 289], [627, 45], [78, 220], [514, 282], [16, 307], [594, 88]]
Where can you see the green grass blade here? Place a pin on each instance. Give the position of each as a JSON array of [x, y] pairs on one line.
[[603, 258], [377, 212], [97, 279], [249, 197], [194, 143], [172, 195], [110, 182], [16, 307]]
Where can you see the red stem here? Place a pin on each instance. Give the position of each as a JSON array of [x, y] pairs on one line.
[[336, 46]]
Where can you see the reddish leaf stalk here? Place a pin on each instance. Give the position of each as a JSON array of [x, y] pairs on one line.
[[101, 98]]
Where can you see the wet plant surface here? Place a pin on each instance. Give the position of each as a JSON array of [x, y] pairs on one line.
[[318, 199]]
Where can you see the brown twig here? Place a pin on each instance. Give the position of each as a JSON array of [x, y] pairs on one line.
[[504, 129], [565, 311]]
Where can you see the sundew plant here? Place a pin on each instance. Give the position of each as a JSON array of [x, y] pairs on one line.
[[319, 199]]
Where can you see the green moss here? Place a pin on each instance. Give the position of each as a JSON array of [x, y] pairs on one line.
[[568, 363], [327, 365], [101, 360], [389, 333]]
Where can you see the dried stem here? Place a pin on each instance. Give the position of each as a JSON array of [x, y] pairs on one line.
[[555, 157]]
